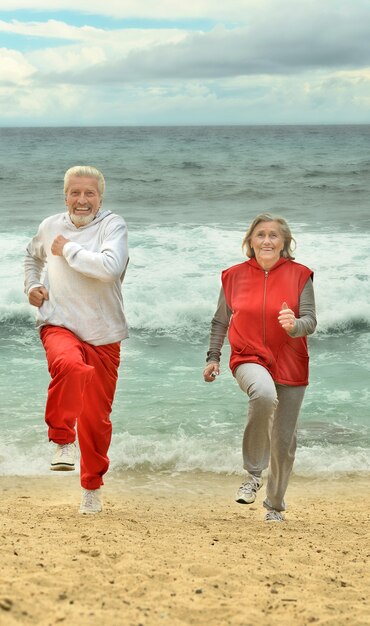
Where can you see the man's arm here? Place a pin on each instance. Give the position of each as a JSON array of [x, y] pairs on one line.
[[34, 263], [106, 265]]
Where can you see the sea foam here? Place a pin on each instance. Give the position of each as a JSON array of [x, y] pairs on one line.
[[181, 453], [173, 279]]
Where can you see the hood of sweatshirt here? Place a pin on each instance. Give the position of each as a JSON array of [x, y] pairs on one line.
[[98, 218]]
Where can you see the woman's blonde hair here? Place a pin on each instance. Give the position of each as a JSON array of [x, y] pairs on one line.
[[89, 172], [287, 251]]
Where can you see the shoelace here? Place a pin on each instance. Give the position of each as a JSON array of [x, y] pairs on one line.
[[89, 498], [64, 450], [274, 516], [249, 486]]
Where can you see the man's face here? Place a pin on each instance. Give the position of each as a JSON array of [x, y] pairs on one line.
[[83, 199]]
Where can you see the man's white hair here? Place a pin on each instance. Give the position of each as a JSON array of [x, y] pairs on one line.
[[85, 170]]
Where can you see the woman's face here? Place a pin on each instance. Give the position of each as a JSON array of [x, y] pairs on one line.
[[267, 243]]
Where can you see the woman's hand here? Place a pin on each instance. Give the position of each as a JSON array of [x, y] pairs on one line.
[[210, 372], [287, 318]]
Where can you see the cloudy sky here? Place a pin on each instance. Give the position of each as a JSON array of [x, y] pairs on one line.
[[132, 62]]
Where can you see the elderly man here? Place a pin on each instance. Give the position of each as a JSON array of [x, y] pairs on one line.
[[81, 321]]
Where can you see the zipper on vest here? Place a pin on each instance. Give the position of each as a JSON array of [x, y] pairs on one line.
[[264, 309]]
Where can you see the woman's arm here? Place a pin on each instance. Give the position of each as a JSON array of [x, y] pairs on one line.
[[306, 323], [219, 326]]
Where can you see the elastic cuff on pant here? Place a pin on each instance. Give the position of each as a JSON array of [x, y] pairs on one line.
[[92, 484], [59, 442], [269, 507], [256, 474]]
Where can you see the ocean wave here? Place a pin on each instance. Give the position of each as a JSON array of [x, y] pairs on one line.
[[324, 187], [330, 461], [179, 320], [270, 166], [319, 432], [189, 454], [347, 326], [173, 279], [191, 165], [249, 193], [16, 319], [184, 454], [142, 180], [338, 174]]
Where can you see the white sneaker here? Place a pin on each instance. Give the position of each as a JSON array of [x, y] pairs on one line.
[[91, 501], [274, 516], [247, 493], [64, 458]]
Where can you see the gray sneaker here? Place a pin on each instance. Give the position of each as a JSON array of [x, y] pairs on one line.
[[91, 501], [247, 493], [274, 516], [64, 458]]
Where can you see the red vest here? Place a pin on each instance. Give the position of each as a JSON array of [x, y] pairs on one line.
[[255, 297]]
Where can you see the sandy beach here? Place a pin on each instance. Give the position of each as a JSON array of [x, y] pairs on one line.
[[177, 550]]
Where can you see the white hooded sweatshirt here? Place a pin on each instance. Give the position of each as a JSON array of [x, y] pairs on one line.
[[84, 284]]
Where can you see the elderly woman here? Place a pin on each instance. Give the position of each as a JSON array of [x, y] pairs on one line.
[[267, 305]]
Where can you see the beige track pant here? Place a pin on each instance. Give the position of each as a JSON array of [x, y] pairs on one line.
[[270, 435]]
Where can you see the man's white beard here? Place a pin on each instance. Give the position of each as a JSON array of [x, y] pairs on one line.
[[81, 220]]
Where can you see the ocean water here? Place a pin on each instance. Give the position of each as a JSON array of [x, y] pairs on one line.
[[188, 195]]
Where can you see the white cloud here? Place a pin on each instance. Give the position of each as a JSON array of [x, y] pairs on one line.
[[54, 29], [338, 84], [286, 39], [245, 100], [89, 46], [276, 42], [14, 67], [237, 11], [152, 9], [38, 102], [355, 77], [49, 29], [272, 61], [66, 59], [223, 53]]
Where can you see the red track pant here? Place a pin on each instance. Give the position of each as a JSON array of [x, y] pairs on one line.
[[81, 391]]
